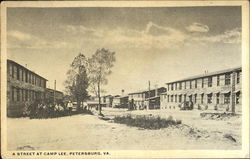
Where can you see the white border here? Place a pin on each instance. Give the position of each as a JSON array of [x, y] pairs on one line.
[[244, 152]]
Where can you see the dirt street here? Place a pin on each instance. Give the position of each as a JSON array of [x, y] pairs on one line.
[[88, 132]]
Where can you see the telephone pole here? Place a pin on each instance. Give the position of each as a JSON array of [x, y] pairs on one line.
[[55, 92]]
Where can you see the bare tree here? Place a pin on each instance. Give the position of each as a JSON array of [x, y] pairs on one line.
[[100, 65]]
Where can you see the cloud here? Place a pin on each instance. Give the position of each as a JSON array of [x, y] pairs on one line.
[[152, 36], [230, 36], [17, 39], [198, 27], [19, 35]]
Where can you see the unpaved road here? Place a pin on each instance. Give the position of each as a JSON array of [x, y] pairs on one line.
[[88, 132]]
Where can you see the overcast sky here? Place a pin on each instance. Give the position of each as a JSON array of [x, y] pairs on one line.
[[156, 44]]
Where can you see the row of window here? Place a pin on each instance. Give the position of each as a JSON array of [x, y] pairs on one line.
[[24, 75], [193, 98], [18, 94], [146, 94], [173, 86]]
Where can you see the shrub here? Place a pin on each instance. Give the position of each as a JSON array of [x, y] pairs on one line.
[[146, 122]]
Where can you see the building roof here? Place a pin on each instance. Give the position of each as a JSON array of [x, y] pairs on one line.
[[52, 90], [118, 96], [153, 97], [143, 91], [207, 75], [8, 60]]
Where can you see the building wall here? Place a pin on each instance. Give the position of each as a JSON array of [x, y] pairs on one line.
[[49, 96], [140, 98], [218, 93], [116, 102], [23, 87], [121, 102]]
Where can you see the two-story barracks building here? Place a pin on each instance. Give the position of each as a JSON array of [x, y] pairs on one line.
[[219, 90], [146, 99], [23, 88]]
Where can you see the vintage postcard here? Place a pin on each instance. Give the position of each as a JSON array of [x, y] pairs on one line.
[[125, 79]]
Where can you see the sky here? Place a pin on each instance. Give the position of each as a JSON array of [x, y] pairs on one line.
[[158, 44]]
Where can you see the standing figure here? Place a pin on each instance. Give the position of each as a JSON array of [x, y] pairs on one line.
[[70, 107]]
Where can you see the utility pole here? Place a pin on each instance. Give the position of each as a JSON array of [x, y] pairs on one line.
[[148, 95], [54, 92]]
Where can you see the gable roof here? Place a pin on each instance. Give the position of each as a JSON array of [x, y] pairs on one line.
[[11, 61]]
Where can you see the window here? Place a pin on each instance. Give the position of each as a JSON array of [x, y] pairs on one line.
[[218, 80], [202, 96], [13, 93], [195, 83], [18, 74], [190, 84], [26, 76], [18, 94], [168, 98], [217, 98], [237, 97], [185, 96], [26, 95], [180, 85], [209, 98], [175, 98], [180, 98], [202, 82], [172, 98], [23, 75], [185, 85], [190, 98], [227, 79], [168, 87], [172, 86], [238, 77], [33, 79], [210, 82], [227, 98], [23, 95], [11, 70]]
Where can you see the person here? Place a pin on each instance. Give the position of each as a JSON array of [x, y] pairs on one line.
[[70, 107], [56, 109], [85, 105]]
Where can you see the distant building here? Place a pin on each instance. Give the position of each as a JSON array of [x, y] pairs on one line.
[[94, 101], [120, 101], [146, 99], [107, 100], [50, 94], [219, 90], [23, 87]]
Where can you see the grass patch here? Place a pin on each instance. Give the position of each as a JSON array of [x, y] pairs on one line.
[[146, 122]]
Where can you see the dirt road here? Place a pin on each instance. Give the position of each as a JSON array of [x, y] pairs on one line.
[[88, 132]]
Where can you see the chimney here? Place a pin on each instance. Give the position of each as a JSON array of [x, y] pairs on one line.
[[156, 90], [122, 92]]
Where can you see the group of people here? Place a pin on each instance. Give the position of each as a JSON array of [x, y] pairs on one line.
[[49, 110]]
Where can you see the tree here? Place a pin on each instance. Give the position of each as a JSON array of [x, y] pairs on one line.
[[100, 65], [77, 80]]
